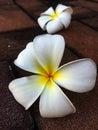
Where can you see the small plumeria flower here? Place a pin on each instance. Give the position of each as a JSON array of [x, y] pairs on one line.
[[53, 21], [43, 57]]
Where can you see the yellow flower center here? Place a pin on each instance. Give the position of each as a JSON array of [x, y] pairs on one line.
[[55, 15], [49, 76]]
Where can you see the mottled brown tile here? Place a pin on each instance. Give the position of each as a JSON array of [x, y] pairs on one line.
[[12, 115], [12, 43], [82, 13], [6, 2], [82, 39], [92, 22], [33, 8], [13, 18], [87, 4]]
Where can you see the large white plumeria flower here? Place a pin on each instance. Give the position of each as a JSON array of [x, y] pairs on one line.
[[54, 21], [42, 57]]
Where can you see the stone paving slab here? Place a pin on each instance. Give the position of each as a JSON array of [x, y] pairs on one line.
[[95, 0], [85, 3], [4, 2], [32, 8], [12, 18], [82, 13], [92, 22], [12, 43], [12, 115], [83, 39], [28, 3]]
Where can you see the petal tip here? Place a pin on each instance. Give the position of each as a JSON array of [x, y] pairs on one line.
[[70, 10], [10, 86]]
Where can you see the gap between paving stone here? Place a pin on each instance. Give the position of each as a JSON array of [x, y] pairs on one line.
[[25, 11], [32, 9], [91, 22]]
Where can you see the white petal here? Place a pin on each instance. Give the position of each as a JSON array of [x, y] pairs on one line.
[[78, 76], [54, 103], [65, 19], [27, 60], [54, 26], [26, 90], [48, 12], [49, 49], [42, 21], [62, 8]]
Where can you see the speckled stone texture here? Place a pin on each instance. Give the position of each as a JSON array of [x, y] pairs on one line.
[[7, 2], [12, 115], [33, 8], [83, 39], [13, 18], [11, 43], [91, 22]]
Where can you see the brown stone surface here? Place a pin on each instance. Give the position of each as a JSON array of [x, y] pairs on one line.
[[33, 8], [4, 2], [13, 42], [27, 3], [81, 13], [12, 18], [92, 22], [82, 39], [12, 115], [87, 4], [95, 0]]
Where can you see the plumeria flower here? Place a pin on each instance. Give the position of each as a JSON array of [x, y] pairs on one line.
[[43, 57], [53, 21]]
